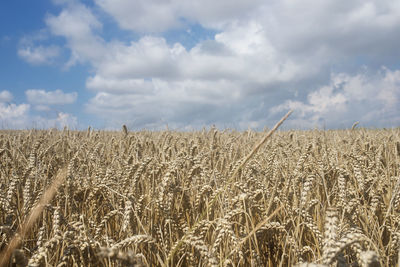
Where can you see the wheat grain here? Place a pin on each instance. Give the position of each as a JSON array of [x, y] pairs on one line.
[[191, 199]]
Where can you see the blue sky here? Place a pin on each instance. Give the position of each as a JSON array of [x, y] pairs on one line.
[[189, 64]]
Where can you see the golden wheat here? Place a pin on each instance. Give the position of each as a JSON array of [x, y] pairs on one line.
[[206, 198]]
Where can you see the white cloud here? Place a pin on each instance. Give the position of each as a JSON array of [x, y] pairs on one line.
[[62, 120], [65, 119], [21, 116], [372, 99], [136, 14], [149, 57], [137, 86], [77, 24], [241, 53], [40, 54], [183, 103], [177, 83], [264, 53], [12, 110], [5, 96], [159, 16], [57, 97], [14, 116]]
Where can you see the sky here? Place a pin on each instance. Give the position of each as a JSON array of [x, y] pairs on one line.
[[236, 64]]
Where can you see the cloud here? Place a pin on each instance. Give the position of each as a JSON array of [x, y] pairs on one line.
[[241, 53], [159, 16], [39, 55], [5, 96], [13, 110], [334, 32], [246, 58], [265, 56], [65, 119], [35, 54], [20, 116], [57, 97], [42, 108], [149, 57], [179, 84], [372, 99], [137, 86], [62, 120], [179, 104], [136, 14], [14, 116], [78, 25]]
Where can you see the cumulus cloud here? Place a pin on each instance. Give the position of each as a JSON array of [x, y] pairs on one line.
[[62, 120], [334, 31], [202, 82], [5, 96], [65, 119], [241, 53], [43, 54], [39, 55], [306, 55], [179, 103], [13, 111], [78, 25], [158, 16], [14, 116], [292, 26], [57, 97], [137, 86], [372, 99], [42, 108], [20, 116]]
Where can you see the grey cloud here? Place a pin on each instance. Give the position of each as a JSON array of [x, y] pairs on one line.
[[334, 29], [211, 47]]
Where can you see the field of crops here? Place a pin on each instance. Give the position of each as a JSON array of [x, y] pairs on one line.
[[97, 198]]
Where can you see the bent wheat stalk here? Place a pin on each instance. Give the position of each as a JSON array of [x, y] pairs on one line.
[[262, 141]]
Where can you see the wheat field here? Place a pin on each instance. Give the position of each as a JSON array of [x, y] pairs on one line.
[[102, 198]]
